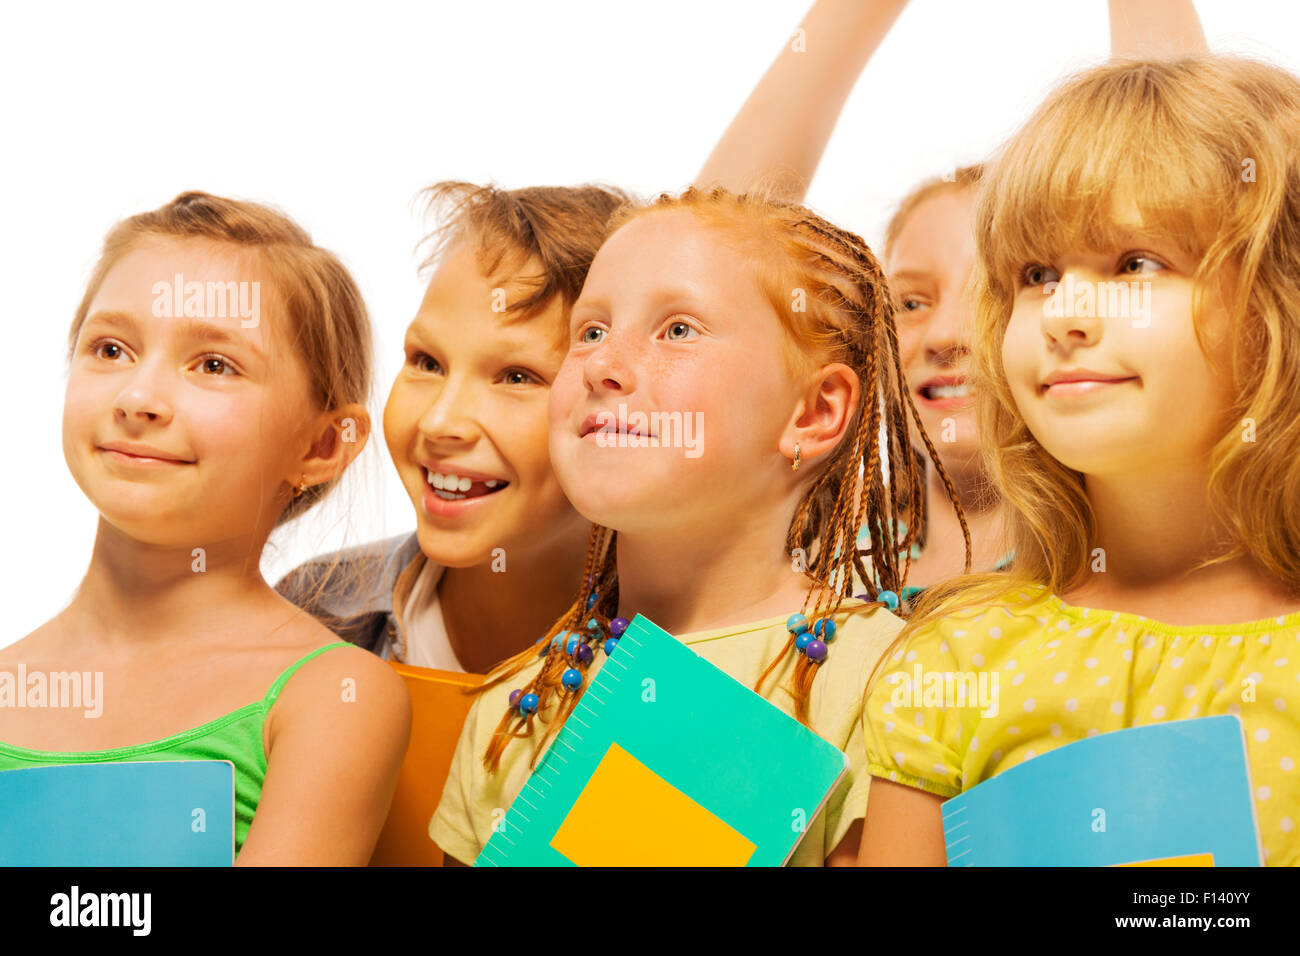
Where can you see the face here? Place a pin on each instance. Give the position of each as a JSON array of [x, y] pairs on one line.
[[182, 429], [670, 405], [466, 419], [1103, 361], [930, 268]]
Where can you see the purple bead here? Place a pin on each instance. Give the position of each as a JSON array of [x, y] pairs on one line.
[[514, 697], [618, 626], [582, 654], [816, 651]]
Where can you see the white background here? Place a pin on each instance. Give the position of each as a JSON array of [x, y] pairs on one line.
[[338, 114]]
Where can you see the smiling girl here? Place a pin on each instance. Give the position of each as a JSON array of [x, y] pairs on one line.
[[195, 432], [773, 329], [1137, 345]]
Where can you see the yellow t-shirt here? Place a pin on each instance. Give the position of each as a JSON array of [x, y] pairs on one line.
[[1064, 673], [473, 799]]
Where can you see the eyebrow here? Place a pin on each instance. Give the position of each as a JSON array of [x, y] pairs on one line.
[[202, 331]]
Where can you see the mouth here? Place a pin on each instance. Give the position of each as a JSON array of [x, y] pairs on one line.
[[141, 454], [606, 423], [1080, 384], [947, 389], [454, 486]]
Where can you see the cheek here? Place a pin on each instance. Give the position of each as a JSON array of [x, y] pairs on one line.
[[400, 417], [565, 393]]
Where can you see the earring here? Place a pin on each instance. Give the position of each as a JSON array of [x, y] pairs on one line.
[[795, 465], [302, 486]]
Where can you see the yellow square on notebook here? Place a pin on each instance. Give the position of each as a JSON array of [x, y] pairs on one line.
[[660, 825]]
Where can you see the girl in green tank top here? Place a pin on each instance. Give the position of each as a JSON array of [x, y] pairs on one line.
[[218, 371]]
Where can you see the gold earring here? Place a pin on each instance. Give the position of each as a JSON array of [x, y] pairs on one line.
[[302, 486], [795, 465]]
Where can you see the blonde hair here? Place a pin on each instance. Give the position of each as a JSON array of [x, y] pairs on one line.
[[328, 325], [849, 318], [962, 178], [1208, 148]]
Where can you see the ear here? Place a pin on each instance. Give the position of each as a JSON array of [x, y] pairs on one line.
[[822, 417], [336, 439]]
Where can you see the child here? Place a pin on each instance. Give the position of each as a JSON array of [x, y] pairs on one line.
[[1136, 334], [770, 333], [219, 366], [491, 566], [929, 244]]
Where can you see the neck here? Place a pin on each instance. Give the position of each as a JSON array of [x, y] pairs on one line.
[[491, 615], [1152, 531], [983, 509], [693, 581], [138, 593]]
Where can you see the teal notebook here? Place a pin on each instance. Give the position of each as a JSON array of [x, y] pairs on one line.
[[668, 761], [1173, 793], [164, 813]]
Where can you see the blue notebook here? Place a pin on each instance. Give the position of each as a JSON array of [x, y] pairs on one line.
[[1173, 793], [160, 813], [668, 761]]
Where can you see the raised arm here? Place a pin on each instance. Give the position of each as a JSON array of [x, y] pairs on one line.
[[1155, 29], [786, 122]]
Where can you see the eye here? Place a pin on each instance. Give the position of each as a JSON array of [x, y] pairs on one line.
[[1143, 263], [519, 376], [591, 335], [1036, 275], [910, 303], [107, 349], [680, 331], [424, 362], [217, 365]]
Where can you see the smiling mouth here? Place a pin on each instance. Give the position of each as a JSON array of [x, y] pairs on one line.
[[453, 487], [938, 393]]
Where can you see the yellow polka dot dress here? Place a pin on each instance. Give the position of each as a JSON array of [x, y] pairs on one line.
[[1033, 673]]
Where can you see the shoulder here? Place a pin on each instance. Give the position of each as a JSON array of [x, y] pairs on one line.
[[340, 687]]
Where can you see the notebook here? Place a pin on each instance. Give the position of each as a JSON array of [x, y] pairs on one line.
[[439, 705], [1173, 793], [668, 761], [148, 813]]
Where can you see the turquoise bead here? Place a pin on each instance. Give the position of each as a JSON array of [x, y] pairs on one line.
[[824, 629], [889, 598], [528, 704], [796, 624], [802, 641], [572, 678]]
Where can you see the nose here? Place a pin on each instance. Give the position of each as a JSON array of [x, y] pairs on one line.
[[609, 366], [947, 332], [143, 396], [1070, 320], [448, 419]]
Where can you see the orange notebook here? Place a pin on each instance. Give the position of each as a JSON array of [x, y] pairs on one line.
[[439, 705]]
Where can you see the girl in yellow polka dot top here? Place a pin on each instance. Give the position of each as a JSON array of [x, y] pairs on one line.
[[1138, 359]]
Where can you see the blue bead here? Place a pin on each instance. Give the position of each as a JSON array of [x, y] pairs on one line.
[[559, 639], [824, 629], [889, 598], [593, 625], [610, 645], [591, 601], [816, 651], [796, 624], [802, 641], [573, 642], [909, 592], [572, 678], [528, 704], [514, 697], [618, 626]]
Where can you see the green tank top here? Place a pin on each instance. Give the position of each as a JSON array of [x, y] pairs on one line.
[[236, 737]]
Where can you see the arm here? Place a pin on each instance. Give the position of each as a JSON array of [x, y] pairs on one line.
[[904, 827], [1155, 29], [335, 742], [788, 119]]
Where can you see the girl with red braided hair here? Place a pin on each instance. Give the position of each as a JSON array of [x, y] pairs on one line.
[[772, 332]]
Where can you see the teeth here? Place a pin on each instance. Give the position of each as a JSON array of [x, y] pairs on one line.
[[950, 391], [454, 483], [447, 495]]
